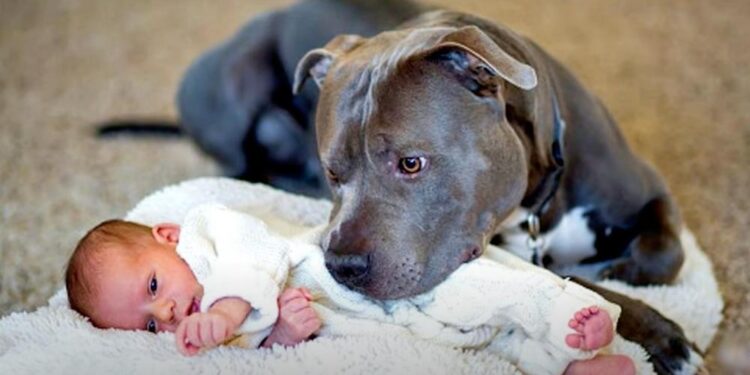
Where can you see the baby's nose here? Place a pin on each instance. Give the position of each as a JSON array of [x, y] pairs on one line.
[[164, 309]]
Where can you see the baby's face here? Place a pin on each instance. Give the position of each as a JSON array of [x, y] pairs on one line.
[[152, 290]]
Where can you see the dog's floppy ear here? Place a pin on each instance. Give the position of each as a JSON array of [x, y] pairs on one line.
[[317, 62], [471, 50], [480, 62], [314, 64]]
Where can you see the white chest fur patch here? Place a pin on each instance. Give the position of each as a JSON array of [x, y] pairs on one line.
[[567, 243], [571, 240]]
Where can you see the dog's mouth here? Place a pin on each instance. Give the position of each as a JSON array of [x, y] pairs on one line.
[[425, 277], [411, 279], [389, 278]]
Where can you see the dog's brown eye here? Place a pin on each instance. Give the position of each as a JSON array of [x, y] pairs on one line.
[[411, 165], [332, 176]]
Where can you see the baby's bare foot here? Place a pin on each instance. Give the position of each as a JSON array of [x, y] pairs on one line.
[[593, 327], [602, 364]]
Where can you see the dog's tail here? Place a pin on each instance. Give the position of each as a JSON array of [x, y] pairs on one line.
[[139, 128]]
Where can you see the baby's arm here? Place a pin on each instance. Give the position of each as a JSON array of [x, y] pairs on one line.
[[297, 322], [297, 319], [212, 328], [233, 254]]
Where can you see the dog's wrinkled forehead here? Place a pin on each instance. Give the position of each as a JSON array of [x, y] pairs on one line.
[[385, 52], [364, 71], [353, 71], [374, 59]]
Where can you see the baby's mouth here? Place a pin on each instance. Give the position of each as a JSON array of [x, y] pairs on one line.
[[195, 307]]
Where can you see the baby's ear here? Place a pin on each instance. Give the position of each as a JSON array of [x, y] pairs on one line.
[[166, 233]]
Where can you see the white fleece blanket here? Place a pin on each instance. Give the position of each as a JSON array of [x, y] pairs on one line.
[[54, 339]]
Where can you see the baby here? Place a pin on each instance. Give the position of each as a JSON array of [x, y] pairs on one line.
[[222, 275], [128, 276]]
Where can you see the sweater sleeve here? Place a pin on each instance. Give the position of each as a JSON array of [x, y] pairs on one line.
[[530, 305], [233, 255], [549, 354]]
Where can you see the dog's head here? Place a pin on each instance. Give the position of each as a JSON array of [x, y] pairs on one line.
[[414, 136]]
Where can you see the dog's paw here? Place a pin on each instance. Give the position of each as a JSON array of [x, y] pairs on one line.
[[669, 349], [675, 355]]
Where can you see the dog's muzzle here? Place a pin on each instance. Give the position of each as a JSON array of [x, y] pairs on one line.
[[348, 269]]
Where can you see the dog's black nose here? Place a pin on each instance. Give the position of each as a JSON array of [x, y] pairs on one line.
[[350, 270]]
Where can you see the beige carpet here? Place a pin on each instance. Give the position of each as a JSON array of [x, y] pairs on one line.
[[674, 73]]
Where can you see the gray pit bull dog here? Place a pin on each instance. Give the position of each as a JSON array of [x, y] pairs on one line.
[[436, 138], [441, 134]]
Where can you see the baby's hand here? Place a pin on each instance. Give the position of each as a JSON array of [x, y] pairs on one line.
[[297, 319], [202, 331]]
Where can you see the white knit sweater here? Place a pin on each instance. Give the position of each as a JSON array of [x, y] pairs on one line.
[[496, 302]]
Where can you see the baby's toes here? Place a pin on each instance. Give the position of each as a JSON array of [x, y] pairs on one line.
[[579, 316], [574, 340], [576, 325], [582, 315]]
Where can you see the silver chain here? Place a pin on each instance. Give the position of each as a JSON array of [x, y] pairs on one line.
[[535, 242]]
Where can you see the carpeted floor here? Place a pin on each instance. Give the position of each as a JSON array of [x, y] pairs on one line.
[[674, 73]]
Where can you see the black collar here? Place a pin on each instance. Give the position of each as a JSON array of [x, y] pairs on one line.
[[539, 200], [545, 191]]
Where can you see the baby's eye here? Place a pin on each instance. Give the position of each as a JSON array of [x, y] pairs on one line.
[[151, 326], [153, 285]]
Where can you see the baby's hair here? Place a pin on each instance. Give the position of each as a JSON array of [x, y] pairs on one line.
[[84, 267]]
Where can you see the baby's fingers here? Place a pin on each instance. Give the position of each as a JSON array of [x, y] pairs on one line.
[[295, 305], [312, 324], [306, 293], [181, 340], [206, 333], [290, 294], [310, 316], [193, 335]]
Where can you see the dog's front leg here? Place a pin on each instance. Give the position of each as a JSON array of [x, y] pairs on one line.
[[670, 351], [655, 256]]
